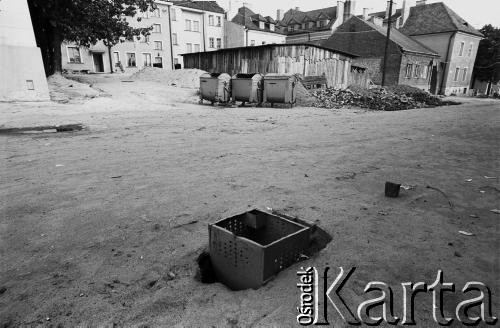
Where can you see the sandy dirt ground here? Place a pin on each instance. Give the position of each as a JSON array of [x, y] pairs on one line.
[[101, 228]]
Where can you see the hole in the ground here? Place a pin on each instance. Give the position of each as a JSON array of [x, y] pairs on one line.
[[248, 250], [43, 129]]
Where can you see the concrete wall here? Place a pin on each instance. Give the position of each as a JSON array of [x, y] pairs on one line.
[[234, 35], [261, 37], [437, 42], [22, 76]]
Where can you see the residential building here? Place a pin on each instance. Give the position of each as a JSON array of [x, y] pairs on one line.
[[315, 25], [22, 76], [251, 29], [153, 50], [177, 27], [298, 58], [196, 26], [409, 62], [456, 41]]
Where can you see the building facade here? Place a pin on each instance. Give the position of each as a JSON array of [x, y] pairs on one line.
[[177, 27], [441, 29], [409, 62], [251, 29], [22, 76]]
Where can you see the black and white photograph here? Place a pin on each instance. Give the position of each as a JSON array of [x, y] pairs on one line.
[[249, 163]]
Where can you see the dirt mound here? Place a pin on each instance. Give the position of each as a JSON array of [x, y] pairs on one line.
[[64, 90], [184, 78], [304, 97]]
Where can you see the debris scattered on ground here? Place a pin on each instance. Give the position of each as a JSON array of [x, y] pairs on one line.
[[64, 90], [442, 193], [473, 216], [43, 129], [408, 187], [457, 254], [469, 180], [116, 177], [495, 211], [185, 224], [184, 78], [394, 98], [304, 97], [465, 233], [59, 165], [392, 189], [3, 289], [487, 177]]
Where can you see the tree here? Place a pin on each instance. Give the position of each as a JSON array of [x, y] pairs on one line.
[[84, 22], [487, 66]]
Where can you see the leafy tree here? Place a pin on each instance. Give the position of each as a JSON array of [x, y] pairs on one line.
[[83, 22], [487, 66]]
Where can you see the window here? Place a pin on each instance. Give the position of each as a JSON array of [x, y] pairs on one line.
[[196, 48], [156, 28], [144, 14], [303, 26], [297, 26], [409, 69], [196, 26], [189, 47], [146, 60], [116, 58], [174, 39], [290, 29], [144, 38], [176, 61], [263, 42], [173, 14], [252, 43], [469, 52], [457, 72], [318, 24], [211, 42], [211, 20], [219, 43], [155, 13], [158, 45], [188, 25], [425, 72], [30, 85], [219, 21], [74, 55], [461, 52], [131, 59], [311, 24], [416, 73], [322, 23], [158, 62], [464, 74]]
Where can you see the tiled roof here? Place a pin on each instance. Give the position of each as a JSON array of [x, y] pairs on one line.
[[354, 37], [211, 6], [248, 18], [435, 18], [292, 15]]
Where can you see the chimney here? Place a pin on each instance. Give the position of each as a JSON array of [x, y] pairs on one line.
[[387, 10], [420, 2], [365, 13], [405, 13], [297, 8], [340, 14], [349, 9], [279, 14]]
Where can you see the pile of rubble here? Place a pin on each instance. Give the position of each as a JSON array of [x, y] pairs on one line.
[[393, 98]]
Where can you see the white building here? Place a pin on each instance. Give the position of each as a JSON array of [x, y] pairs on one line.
[[22, 76], [178, 27]]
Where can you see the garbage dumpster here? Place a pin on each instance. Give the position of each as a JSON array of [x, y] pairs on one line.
[[247, 88], [279, 88], [215, 87]]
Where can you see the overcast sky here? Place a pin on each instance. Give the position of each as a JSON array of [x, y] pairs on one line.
[[475, 12]]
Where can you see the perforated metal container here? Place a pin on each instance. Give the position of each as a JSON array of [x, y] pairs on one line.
[[247, 88], [249, 249], [215, 87]]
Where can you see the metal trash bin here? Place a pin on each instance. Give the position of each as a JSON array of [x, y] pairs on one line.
[[280, 88], [249, 249], [215, 87], [247, 88]]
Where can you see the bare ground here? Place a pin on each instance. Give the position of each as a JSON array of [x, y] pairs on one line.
[[102, 227]]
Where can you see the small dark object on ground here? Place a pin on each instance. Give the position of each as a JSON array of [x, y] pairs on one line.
[[43, 129], [206, 270], [392, 189], [3, 289]]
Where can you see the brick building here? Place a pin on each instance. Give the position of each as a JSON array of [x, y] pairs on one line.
[[409, 63], [456, 41]]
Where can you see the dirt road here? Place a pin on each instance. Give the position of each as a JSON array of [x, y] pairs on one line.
[[102, 227]]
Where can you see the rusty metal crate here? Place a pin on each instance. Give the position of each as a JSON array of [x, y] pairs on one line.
[[250, 248]]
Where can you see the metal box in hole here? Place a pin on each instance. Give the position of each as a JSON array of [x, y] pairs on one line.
[[215, 87], [247, 88], [280, 89], [249, 249]]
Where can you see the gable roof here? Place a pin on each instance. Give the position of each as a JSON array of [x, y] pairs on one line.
[[211, 6], [436, 18], [247, 18], [298, 16], [406, 43]]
